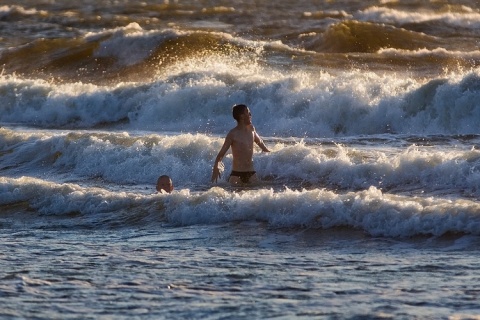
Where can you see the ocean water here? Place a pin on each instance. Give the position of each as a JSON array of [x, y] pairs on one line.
[[368, 203]]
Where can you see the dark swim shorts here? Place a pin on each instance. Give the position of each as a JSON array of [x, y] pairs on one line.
[[243, 175]]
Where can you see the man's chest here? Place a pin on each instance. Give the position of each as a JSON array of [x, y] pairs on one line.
[[243, 139]]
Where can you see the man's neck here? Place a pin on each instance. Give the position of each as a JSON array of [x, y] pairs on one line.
[[242, 125]]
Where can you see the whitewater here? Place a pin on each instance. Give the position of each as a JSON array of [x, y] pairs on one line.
[[368, 202]]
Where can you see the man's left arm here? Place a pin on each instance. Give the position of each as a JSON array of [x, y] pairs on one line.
[[260, 142]]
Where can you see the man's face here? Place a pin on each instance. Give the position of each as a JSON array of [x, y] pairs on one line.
[[247, 116]]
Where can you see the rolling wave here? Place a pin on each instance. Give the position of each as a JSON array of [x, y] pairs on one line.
[[71, 206], [121, 54], [133, 53], [356, 36], [303, 104], [122, 159]]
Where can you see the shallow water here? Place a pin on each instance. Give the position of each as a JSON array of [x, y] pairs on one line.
[[239, 270]]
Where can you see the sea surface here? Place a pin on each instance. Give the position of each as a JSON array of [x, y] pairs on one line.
[[368, 205]]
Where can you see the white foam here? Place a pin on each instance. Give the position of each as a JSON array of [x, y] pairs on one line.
[[120, 158], [283, 104], [438, 52], [7, 10], [469, 18], [369, 210], [130, 44]]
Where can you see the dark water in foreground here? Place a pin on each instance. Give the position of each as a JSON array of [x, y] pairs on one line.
[[236, 271]]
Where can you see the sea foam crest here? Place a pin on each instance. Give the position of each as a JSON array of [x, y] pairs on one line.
[[8, 10], [468, 19], [438, 53], [130, 44], [121, 159], [303, 104], [370, 210]]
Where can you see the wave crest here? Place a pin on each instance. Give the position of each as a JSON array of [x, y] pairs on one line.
[[367, 37]]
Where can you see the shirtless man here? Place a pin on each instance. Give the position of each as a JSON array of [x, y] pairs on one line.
[[241, 139]]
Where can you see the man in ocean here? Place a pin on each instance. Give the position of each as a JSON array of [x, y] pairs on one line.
[[241, 139], [164, 184]]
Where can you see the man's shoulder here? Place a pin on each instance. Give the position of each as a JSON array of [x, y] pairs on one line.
[[232, 132]]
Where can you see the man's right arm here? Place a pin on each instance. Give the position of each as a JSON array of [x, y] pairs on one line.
[[218, 160]]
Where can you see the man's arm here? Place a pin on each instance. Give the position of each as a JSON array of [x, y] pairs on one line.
[[260, 142], [218, 160]]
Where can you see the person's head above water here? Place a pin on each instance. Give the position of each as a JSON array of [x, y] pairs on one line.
[[164, 183]]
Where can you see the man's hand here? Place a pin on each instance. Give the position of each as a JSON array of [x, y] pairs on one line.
[[217, 171]]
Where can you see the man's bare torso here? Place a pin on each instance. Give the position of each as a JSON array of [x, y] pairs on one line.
[[242, 148]]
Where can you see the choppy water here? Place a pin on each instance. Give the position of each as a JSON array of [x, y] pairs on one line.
[[368, 206]]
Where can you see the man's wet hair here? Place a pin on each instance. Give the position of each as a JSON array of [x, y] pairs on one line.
[[238, 110]]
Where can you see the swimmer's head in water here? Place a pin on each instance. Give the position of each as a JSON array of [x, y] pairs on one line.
[[164, 183]]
